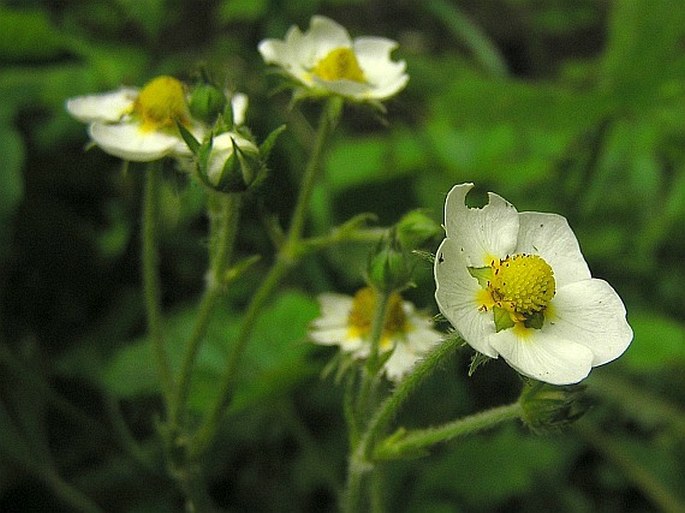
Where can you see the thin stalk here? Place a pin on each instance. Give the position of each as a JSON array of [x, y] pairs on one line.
[[360, 460], [484, 51], [211, 423], [68, 494], [151, 284], [370, 373], [414, 442], [327, 123], [222, 243], [287, 256]]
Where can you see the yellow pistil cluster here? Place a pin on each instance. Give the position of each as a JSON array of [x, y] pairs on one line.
[[161, 103], [522, 284], [339, 64], [361, 315]]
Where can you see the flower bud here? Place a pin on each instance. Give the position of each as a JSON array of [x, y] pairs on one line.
[[389, 268], [207, 102], [549, 408], [415, 229], [231, 163]]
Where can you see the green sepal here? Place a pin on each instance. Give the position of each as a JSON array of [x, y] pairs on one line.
[[535, 320], [239, 268], [268, 144], [503, 320], [207, 102], [482, 274], [477, 361], [550, 408], [189, 138]]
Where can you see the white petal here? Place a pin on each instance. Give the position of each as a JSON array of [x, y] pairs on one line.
[[334, 306], [239, 103], [543, 356], [402, 360], [550, 236], [222, 149], [482, 233], [386, 76], [456, 295], [127, 141], [591, 313], [107, 107], [275, 51], [330, 336], [324, 36], [423, 339], [348, 88]]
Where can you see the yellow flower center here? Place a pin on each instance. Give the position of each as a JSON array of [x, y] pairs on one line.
[[161, 103], [339, 64], [361, 315], [522, 284]]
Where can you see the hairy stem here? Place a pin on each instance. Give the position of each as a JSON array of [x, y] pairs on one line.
[[151, 285], [222, 244]]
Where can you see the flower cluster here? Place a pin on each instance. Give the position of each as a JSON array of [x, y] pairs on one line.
[[346, 322], [516, 285]]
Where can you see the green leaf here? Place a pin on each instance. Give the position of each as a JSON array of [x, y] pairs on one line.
[[28, 35], [150, 15], [242, 10], [275, 358]]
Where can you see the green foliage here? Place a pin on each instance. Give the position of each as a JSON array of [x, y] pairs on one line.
[[569, 107], [275, 361]]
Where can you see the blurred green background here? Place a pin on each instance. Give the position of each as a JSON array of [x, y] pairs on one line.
[[572, 107]]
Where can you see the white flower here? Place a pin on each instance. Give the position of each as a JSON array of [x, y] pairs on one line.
[[346, 322], [138, 125], [327, 61], [516, 285]]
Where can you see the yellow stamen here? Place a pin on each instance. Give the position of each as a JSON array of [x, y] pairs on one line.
[[339, 64], [361, 316], [161, 103], [523, 284]]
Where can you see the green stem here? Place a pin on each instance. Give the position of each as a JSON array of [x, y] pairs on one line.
[[371, 371], [222, 244], [151, 278], [211, 422], [360, 460], [327, 123], [288, 255], [641, 477], [414, 442], [484, 51], [68, 494]]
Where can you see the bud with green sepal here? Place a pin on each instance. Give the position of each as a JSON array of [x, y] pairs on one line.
[[390, 266], [415, 229], [551, 408], [207, 102]]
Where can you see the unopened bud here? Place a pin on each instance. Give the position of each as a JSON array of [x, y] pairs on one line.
[[415, 229], [389, 268], [549, 408], [232, 163], [207, 102]]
